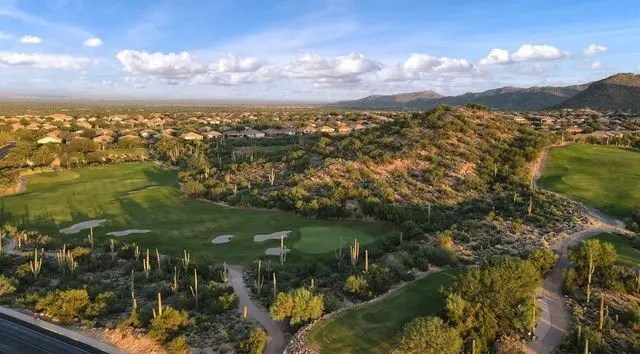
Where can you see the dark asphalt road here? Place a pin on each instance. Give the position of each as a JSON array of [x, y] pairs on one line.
[[17, 337]]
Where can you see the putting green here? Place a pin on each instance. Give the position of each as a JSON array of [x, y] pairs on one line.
[[626, 253], [143, 196], [324, 239], [606, 177], [373, 328]]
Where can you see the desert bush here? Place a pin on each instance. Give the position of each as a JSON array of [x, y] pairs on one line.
[[542, 258], [100, 305], [64, 306], [299, 305], [177, 345], [570, 282], [255, 342], [167, 325], [7, 285], [357, 286]]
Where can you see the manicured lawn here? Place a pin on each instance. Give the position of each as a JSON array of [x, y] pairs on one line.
[[323, 239], [374, 328], [626, 253], [141, 196], [603, 176]]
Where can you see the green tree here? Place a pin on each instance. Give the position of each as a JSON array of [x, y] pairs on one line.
[[255, 342], [167, 325], [429, 335], [299, 305]]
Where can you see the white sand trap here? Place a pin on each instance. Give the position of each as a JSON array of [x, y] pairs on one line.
[[85, 225], [275, 251], [221, 239], [273, 236], [141, 190], [127, 232]]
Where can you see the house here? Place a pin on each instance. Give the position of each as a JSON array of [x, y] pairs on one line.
[[212, 135], [574, 129], [191, 136], [272, 131], [288, 131], [327, 129], [148, 133], [50, 140], [233, 133], [252, 133]]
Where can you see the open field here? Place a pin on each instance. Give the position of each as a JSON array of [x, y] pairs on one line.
[[141, 196], [626, 253], [603, 176], [373, 328]]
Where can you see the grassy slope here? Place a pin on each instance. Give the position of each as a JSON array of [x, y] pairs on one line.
[[626, 253], [117, 193], [605, 177], [373, 328]]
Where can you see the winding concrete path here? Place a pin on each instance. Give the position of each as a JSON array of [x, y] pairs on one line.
[[552, 327], [277, 339]]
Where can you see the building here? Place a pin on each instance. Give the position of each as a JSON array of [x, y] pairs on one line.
[[212, 135], [191, 136], [252, 133], [50, 140]]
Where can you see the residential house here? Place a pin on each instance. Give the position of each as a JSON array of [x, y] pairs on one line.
[[212, 135], [49, 140], [233, 133], [191, 136], [327, 129], [252, 133]]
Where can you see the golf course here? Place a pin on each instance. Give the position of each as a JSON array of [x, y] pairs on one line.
[[605, 177], [626, 253], [373, 328], [143, 203]]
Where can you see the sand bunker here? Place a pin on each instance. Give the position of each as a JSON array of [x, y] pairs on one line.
[[127, 232], [273, 236], [275, 251], [85, 225], [222, 239], [141, 190]]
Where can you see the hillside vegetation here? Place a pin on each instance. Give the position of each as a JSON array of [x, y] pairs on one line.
[[619, 91]]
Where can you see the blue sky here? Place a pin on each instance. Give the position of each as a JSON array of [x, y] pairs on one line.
[[313, 50]]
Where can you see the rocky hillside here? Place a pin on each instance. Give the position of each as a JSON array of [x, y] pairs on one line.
[[618, 92], [505, 98], [445, 157]]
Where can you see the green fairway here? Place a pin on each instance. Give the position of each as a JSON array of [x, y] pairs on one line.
[[603, 176], [141, 196], [373, 328], [626, 253], [313, 239]]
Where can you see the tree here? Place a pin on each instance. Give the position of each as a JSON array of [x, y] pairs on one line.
[[592, 256], [300, 305], [429, 335], [542, 258], [64, 305], [167, 325], [255, 342]]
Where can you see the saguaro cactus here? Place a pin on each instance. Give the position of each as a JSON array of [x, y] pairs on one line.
[[366, 261], [283, 251], [174, 284], [601, 313], [272, 176], [158, 261], [159, 312], [591, 270], [340, 254], [112, 247], [36, 264], [146, 264], [194, 287], [134, 303], [275, 289], [136, 253], [224, 273], [186, 260], [259, 282], [90, 238], [355, 253]]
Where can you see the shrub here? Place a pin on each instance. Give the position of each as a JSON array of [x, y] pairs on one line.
[[100, 305], [177, 345], [437, 256], [429, 335], [7, 286], [357, 286], [570, 283], [542, 258], [166, 326], [299, 305], [64, 305], [255, 342]]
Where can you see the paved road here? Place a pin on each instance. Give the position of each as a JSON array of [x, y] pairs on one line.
[[277, 341], [17, 337]]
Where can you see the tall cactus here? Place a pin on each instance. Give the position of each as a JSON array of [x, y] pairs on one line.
[[136, 253], [90, 238], [283, 251], [366, 261], [71, 263], [601, 312], [112, 247], [186, 260], [275, 288], [61, 258], [259, 282], [224, 273], [194, 287], [174, 283], [339, 254], [355, 253], [590, 271], [586, 346], [146, 264], [36, 264], [158, 313], [158, 261], [134, 303]]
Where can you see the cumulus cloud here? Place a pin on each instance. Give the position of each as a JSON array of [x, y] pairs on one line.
[[93, 42], [234, 65], [30, 40], [43, 61], [422, 63], [594, 49], [526, 53], [331, 70], [496, 56], [170, 65]]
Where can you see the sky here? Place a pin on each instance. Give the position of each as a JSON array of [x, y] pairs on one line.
[[311, 50]]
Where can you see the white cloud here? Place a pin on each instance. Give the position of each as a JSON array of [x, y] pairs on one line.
[[422, 63], [30, 40], [4, 35], [526, 53], [324, 70], [597, 65], [234, 65], [93, 42], [594, 49], [43, 61], [170, 65], [529, 52], [496, 56]]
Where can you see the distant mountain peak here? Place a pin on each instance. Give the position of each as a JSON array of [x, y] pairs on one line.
[[616, 92]]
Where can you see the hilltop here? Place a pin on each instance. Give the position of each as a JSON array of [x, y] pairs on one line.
[[505, 98], [617, 92]]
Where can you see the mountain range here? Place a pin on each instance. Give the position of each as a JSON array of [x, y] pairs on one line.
[[620, 91]]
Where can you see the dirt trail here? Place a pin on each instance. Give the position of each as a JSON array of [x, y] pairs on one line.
[[277, 341], [553, 325]]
